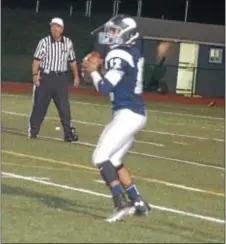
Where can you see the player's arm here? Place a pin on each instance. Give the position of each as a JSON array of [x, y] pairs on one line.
[[105, 84], [116, 63]]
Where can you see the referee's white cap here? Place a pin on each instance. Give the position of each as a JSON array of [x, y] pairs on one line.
[[57, 21]]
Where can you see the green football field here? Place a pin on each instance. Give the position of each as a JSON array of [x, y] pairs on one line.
[[51, 193]]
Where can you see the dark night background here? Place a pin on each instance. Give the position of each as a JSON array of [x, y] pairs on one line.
[[201, 11]]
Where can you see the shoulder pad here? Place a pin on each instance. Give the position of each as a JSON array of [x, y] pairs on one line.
[[122, 54]]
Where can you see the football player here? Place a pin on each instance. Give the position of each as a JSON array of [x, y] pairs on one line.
[[123, 80]]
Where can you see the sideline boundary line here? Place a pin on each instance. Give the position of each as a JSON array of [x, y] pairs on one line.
[[93, 170], [144, 130]]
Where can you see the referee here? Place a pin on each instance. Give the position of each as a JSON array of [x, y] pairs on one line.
[[50, 79]]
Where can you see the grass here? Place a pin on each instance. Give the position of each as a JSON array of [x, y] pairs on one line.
[[178, 141]]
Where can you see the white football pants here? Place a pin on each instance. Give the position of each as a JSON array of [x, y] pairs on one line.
[[118, 137]]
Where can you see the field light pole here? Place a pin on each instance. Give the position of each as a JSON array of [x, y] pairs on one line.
[[139, 8], [88, 8], [71, 10], [186, 11], [116, 7], [37, 6]]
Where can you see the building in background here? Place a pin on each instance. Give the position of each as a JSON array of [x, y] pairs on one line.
[[195, 62]]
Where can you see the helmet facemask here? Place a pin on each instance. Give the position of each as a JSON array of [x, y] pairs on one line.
[[111, 35]]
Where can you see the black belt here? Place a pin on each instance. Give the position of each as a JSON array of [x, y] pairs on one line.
[[49, 72], [58, 72]]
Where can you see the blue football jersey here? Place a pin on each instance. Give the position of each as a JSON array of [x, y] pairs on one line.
[[123, 79]]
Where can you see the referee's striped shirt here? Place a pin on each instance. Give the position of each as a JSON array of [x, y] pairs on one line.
[[55, 55]]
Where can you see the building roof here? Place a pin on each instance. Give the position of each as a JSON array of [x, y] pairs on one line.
[[181, 31]]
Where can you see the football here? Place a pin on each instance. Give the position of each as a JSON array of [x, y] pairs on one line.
[[92, 57], [93, 54]]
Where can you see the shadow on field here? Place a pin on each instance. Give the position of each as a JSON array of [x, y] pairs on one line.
[[54, 202]]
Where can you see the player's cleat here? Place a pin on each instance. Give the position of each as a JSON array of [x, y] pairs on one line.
[[141, 207], [122, 209]]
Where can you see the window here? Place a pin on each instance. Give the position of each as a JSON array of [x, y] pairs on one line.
[[216, 55]]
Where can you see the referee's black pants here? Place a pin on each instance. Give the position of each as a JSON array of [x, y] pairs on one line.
[[52, 86]]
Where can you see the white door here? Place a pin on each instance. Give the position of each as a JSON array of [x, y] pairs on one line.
[[186, 76]]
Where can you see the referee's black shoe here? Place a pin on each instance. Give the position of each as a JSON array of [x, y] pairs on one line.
[[73, 136], [32, 136]]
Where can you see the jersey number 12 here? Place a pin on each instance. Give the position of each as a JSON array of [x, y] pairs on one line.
[[115, 63]]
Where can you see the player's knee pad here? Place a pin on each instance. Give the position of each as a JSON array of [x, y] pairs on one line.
[[108, 172]]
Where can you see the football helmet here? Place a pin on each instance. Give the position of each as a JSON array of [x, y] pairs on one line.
[[119, 30]]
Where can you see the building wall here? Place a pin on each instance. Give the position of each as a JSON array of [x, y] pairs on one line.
[[210, 77]]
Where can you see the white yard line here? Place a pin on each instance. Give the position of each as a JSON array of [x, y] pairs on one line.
[[39, 178], [150, 143], [99, 181], [190, 125], [90, 192], [183, 187], [149, 110], [157, 111], [131, 152], [213, 127], [180, 135], [86, 123], [4, 176], [147, 131], [181, 143], [91, 170]]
